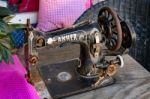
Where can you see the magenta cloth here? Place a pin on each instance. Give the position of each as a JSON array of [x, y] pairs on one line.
[[13, 84], [55, 14]]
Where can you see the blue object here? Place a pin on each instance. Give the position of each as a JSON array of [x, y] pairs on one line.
[[18, 37]]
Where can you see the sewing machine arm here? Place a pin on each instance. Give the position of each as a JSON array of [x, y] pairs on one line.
[[108, 36]]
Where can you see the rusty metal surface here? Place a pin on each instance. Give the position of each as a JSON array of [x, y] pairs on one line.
[[138, 13], [129, 75], [108, 19], [39, 84], [69, 84], [35, 78], [132, 75], [45, 58], [93, 48]]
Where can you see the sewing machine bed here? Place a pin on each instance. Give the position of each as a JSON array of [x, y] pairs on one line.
[[128, 81], [62, 80]]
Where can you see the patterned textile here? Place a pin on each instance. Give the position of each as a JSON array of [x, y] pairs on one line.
[[55, 14], [18, 37], [13, 84]]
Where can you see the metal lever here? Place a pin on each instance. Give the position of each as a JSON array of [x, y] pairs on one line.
[[33, 55]]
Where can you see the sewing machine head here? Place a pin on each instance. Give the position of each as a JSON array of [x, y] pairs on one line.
[[109, 36]]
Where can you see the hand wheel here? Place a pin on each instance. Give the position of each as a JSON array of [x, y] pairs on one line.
[[109, 24], [129, 35]]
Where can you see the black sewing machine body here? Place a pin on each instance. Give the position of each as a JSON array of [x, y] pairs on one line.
[[110, 36]]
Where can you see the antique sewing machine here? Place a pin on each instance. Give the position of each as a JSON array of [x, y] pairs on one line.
[[109, 36]]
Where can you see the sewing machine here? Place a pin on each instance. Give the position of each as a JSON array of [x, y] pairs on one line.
[[109, 36]]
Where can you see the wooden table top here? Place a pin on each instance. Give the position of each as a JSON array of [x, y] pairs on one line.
[[132, 81]]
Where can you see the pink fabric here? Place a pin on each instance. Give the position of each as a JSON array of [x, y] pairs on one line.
[[54, 14], [88, 4], [13, 84]]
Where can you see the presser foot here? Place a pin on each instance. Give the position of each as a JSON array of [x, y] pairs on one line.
[[103, 81], [106, 77]]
